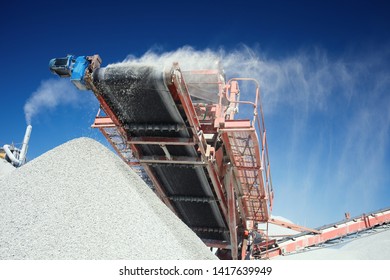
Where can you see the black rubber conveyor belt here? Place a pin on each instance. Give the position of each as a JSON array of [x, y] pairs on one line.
[[138, 95]]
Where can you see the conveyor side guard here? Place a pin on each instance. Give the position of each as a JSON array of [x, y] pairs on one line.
[[344, 228]]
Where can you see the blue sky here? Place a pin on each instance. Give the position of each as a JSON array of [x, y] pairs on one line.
[[324, 70]]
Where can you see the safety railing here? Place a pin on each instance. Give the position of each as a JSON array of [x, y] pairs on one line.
[[232, 95]]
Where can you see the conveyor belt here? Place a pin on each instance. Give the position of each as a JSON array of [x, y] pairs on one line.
[[139, 97]]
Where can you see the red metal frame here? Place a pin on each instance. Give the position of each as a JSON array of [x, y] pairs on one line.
[[232, 211], [242, 187], [291, 226], [179, 89], [251, 168]]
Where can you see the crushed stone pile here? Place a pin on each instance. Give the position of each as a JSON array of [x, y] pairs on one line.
[[80, 201], [5, 167]]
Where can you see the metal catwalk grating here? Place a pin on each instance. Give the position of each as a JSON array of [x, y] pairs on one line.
[[248, 172]]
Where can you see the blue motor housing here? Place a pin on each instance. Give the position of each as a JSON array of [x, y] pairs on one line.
[[62, 66], [78, 72], [72, 67]]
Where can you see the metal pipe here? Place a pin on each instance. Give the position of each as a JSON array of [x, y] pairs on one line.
[[166, 152], [10, 155], [18, 160], [23, 152]]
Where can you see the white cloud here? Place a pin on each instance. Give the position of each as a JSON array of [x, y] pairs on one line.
[[49, 95]]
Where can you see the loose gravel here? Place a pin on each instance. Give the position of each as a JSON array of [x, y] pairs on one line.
[[5, 167], [80, 201]]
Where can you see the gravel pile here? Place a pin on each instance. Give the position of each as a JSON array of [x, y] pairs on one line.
[[80, 201], [5, 167]]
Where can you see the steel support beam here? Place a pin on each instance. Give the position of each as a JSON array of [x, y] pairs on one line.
[[103, 122], [292, 226], [216, 244], [174, 160], [232, 209], [161, 141]]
